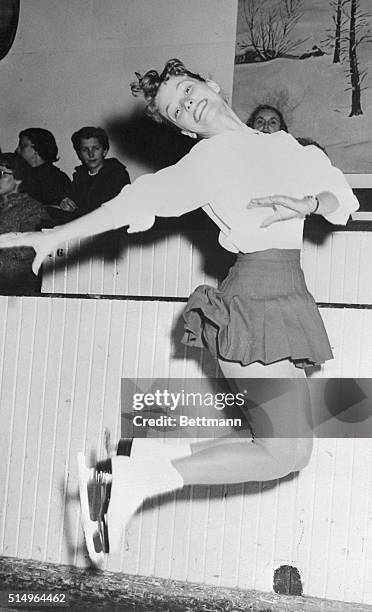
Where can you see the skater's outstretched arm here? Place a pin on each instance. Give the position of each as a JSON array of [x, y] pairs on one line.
[[135, 207], [92, 224]]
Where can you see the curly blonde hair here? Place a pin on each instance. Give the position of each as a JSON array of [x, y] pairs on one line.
[[147, 85]]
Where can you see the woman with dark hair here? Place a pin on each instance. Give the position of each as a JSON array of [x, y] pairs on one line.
[[261, 323], [267, 119], [97, 179], [38, 146], [18, 213], [47, 183]]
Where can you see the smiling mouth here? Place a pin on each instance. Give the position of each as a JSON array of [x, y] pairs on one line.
[[199, 109]]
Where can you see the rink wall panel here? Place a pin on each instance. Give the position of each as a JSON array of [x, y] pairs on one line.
[[61, 364], [336, 266]]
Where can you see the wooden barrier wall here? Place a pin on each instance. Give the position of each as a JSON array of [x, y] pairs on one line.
[[336, 265], [61, 364]]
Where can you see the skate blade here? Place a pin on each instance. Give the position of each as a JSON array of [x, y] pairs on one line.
[[91, 528]]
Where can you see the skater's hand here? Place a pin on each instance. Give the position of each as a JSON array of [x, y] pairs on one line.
[[284, 207], [42, 242]]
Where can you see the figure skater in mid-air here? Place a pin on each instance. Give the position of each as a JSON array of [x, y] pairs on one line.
[[260, 323]]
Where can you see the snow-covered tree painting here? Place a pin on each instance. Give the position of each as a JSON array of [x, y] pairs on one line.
[[313, 60]]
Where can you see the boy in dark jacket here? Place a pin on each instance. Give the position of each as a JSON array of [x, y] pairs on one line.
[[97, 179]]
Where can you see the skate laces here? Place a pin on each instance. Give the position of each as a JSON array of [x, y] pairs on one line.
[[99, 487]]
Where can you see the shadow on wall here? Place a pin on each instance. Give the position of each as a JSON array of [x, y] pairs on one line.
[[152, 144], [195, 226]]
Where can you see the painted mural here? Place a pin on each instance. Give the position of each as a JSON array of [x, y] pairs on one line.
[[313, 60]]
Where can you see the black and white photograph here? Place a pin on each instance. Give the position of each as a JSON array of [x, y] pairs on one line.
[[186, 299]]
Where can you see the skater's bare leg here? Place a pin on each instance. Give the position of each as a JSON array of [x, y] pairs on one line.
[[272, 454], [280, 416], [273, 414]]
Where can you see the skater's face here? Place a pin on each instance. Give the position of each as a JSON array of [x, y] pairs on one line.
[[92, 153], [8, 184], [267, 121], [194, 106]]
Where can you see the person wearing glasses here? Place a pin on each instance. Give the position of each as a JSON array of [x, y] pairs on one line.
[[47, 183], [18, 213]]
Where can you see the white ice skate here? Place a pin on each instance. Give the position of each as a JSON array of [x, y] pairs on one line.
[[94, 491]]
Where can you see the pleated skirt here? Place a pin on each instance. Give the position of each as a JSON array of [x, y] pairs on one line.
[[262, 312]]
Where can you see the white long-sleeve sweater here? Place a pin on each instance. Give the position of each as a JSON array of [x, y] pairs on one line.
[[222, 174]]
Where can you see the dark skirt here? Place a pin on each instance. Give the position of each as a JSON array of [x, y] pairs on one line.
[[262, 311]]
